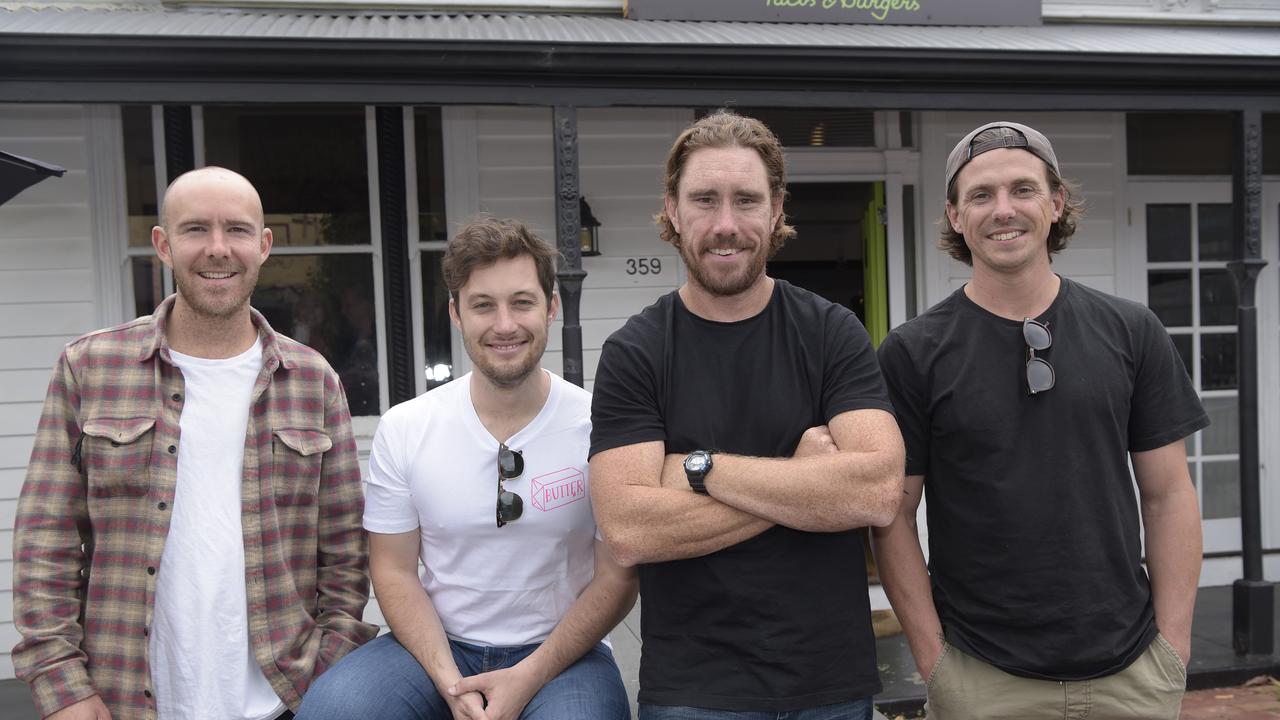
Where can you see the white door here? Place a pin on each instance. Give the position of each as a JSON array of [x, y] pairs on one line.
[[1180, 242]]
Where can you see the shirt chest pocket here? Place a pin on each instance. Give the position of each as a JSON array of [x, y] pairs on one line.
[[297, 456], [116, 455]]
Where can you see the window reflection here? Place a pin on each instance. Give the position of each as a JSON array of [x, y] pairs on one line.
[[326, 302]]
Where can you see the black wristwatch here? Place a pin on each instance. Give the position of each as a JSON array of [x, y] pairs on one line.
[[696, 466]]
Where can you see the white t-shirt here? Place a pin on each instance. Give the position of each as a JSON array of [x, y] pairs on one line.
[[202, 665], [434, 468]]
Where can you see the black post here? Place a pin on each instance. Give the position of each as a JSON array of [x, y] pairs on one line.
[[569, 272], [398, 300], [1253, 614], [179, 141]]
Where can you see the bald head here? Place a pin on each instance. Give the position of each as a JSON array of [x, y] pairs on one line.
[[208, 178]]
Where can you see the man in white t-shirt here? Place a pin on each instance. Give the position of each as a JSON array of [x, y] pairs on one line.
[[188, 540], [485, 480]]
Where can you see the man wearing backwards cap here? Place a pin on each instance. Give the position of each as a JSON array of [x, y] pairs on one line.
[[1022, 397]]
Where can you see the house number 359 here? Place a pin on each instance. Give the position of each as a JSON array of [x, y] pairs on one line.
[[644, 266]]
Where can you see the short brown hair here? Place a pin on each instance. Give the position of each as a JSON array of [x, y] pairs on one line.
[[1059, 232], [721, 129], [487, 240]]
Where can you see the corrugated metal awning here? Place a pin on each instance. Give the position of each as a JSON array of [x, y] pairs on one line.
[[600, 30], [184, 55]]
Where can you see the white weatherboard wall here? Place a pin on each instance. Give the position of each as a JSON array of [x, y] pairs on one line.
[[621, 152], [47, 297]]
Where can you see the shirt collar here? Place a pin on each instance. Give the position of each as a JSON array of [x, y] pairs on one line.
[[272, 356]]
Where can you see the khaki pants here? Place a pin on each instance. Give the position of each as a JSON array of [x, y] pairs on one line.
[[962, 687]]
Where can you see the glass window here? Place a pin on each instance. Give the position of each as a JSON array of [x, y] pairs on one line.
[[1168, 233], [1214, 229], [326, 302], [1271, 143], [436, 324], [1179, 143], [307, 162], [146, 273], [815, 127], [433, 233], [1221, 494], [1169, 296], [1217, 298], [429, 145]]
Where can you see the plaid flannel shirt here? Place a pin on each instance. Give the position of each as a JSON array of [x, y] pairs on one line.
[[94, 512]]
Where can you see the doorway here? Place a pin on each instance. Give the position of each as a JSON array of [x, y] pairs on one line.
[[839, 251]]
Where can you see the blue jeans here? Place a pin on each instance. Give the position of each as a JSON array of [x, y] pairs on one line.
[[854, 710], [382, 680]]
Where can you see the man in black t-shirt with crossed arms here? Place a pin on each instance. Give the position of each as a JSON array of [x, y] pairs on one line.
[[741, 433]]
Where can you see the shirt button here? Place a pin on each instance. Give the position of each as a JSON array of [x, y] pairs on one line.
[[162, 505], [173, 449], [151, 571]]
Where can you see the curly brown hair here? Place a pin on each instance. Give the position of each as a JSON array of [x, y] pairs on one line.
[[1060, 232], [487, 240], [721, 129]]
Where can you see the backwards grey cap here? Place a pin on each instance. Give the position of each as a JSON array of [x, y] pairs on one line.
[[1024, 137]]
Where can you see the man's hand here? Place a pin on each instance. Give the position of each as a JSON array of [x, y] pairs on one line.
[[467, 706], [507, 690], [1181, 644], [816, 441], [927, 659], [90, 708]]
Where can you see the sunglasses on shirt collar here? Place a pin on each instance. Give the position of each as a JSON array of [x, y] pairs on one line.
[[510, 467], [1040, 375]]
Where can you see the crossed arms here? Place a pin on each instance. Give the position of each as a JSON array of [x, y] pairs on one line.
[[844, 475]]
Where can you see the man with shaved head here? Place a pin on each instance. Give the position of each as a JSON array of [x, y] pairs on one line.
[[188, 540]]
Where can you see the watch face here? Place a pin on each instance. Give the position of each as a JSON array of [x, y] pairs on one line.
[[696, 463]]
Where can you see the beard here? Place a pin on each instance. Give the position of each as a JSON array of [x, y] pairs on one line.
[[216, 306], [511, 372], [723, 284]]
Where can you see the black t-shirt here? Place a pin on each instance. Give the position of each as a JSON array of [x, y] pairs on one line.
[[780, 621], [1035, 553]]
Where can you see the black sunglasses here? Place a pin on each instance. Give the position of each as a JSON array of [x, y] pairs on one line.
[[1039, 372], [510, 467]]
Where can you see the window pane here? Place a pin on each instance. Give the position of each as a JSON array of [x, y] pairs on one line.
[[326, 301], [139, 174], [1217, 298], [307, 162], [814, 127], [429, 146], [435, 320], [1183, 344], [1189, 442], [1222, 437], [1167, 143], [1214, 225], [1218, 361], [1168, 233], [1169, 296], [148, 284], [1221, 492]]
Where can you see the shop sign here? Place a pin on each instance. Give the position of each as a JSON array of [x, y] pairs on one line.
[[872, 12]]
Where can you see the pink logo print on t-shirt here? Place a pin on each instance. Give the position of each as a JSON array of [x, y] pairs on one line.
[[557, 489]]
